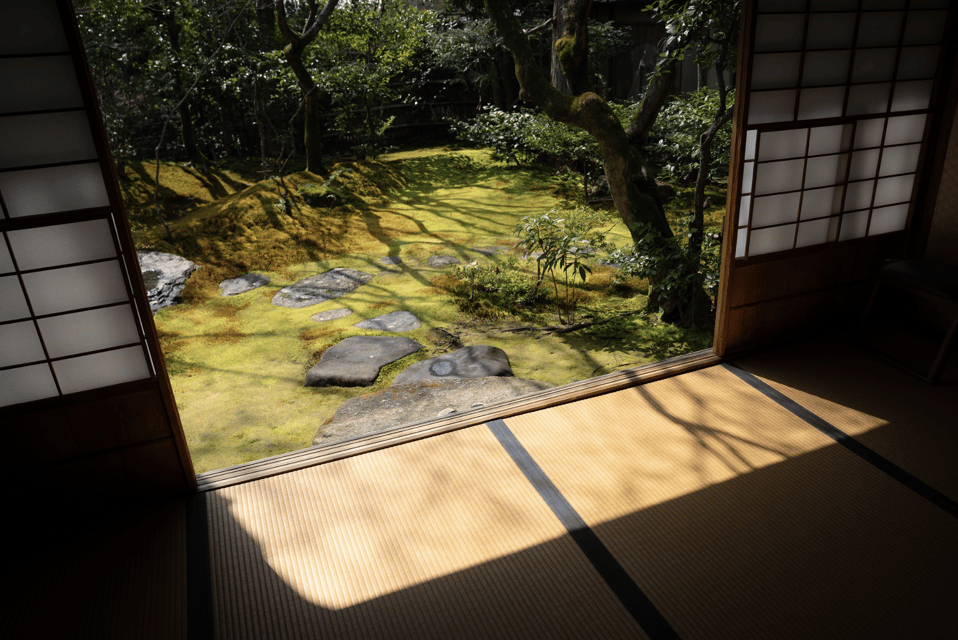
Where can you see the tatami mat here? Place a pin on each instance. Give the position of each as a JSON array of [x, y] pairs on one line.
[[739, 520], [735, 517], [441, 538], [908, 421]]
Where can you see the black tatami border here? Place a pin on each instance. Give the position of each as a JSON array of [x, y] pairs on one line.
[[626, 590], [870, 456], [199, 577]]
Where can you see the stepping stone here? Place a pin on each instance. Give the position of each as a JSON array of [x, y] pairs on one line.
[[469, 362], [395, 321], [165, 276], [488, 251], [332, 314], [320, 288], [441, 261], [391, 260], [355, 362], [242, 284], [397, 406]]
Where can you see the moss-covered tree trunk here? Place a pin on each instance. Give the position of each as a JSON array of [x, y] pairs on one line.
[[634, 193], [312, 134]]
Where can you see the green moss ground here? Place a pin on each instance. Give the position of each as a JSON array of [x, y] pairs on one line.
[[237, 364]]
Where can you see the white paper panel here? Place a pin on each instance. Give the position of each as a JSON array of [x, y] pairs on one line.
[[925, 27], [894, 190], [879, 29], [825, 67], [779, 176], [824, 102], [825, 171], [26, 384], [6, 262], [834, 139], [14, 304], [36, 84], [31, 26], [45, 139], [900, 160], [874, 65], [21, 344], [912, 96], [781, 32], [830, 31], [864, 164], [62, 244], [780, 145], [740, 243], [868, 133], [888, 219], [54, 189], [744, 211], [771, 240], [747, 169], [904, 129], [854, 225], [74, 288], [817, 203], [778, 209], [751, 137], [771, 106], [858, 195], [868, 98], [817, 232], [917, 62], [775, 70], [89, 331], [101, 370]]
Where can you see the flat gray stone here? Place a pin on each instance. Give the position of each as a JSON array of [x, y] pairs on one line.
[[332, 314], [395, 321], [488, 251], [320, 288], [441, 261], [164, 276], [356, 361], [409, 403], [242, 284], [391, 260], [478, 361]]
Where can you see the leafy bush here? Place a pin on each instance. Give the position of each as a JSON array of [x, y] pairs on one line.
[[492, 290], [672, 272], [676, 137]]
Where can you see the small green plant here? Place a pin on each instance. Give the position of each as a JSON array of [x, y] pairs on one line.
[[328, 195], [493, 290], [561, 240]]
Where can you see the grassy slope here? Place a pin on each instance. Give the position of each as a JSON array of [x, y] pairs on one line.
[[237, 364]]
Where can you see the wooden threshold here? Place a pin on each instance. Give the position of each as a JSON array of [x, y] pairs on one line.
[[571, 392]]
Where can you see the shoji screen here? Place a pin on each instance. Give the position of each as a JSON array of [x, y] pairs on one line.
[[74, 326], [836, 101]]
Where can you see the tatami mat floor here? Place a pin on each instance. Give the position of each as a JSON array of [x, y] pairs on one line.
[[809, 492]]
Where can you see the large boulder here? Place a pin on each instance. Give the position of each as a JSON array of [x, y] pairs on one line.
[[398, 406], [355, 362], [320, 288], [165, 276], [478, 361]]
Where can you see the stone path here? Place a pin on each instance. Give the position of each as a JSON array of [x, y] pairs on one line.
[[439, 261], [332, 314], [242, 284], [396, 321], [356, 361], [478, 361], [320, 288]]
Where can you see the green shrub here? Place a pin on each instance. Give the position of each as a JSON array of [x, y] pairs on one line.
[[494, 290], [675, 137]]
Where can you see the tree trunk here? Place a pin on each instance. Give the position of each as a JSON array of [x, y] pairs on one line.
[[193, 152], [555, 70]]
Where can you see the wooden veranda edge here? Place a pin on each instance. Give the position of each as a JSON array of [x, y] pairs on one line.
[[321, 454]]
